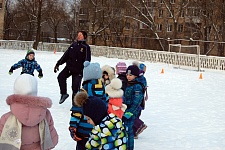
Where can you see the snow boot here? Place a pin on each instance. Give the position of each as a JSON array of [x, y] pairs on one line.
[[63, 98]]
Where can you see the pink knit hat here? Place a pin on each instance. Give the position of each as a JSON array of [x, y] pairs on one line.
[[121, 67]]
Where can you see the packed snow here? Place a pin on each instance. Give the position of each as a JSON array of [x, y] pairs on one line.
[[183, 112]]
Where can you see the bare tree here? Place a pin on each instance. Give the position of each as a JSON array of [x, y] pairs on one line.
[[55, 16], [8, 18]]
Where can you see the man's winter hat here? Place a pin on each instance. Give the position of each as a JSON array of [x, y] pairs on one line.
[[121, 67], [91, 71], [25, 84], [133, 69], [93, 106], [114, 88], [84, 34]]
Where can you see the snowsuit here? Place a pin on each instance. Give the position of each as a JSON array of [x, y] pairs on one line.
[[138, 123], [74, 58], [28, 66], [30, 111], [79, 127], [108, 135], [96, 88], [132, 98]]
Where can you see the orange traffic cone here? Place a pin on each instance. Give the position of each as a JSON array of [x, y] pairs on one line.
[[200, 76], [54, 50], [162, 71]]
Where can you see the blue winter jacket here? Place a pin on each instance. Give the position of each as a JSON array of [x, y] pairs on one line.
[[133, 97], [28, 66], [95, 87]]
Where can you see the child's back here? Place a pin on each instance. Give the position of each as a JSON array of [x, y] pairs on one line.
[[31, 116]]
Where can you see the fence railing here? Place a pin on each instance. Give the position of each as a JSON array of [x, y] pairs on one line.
[[180, 59]]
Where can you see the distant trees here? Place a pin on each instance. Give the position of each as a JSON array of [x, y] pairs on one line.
[[26, 19], [151, 24]]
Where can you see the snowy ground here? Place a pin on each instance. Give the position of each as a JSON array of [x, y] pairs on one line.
[[183, 112]]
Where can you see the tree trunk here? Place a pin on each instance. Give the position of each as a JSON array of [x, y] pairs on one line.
[[37, 40]]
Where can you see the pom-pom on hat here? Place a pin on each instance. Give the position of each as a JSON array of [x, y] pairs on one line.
[[93, 107], [25, 84], [121, 67], [91, 71], [84, 34], [114, 88], [133, 69]]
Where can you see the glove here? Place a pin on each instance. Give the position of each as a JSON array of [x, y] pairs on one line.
[[10, 71], [73, 134], [56, 68], [40, 75], [128, 115]]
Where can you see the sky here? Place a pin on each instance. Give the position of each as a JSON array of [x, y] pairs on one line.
[[183, 112]]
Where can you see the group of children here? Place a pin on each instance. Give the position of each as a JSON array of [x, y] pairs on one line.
[[105, 115], [107, 108]]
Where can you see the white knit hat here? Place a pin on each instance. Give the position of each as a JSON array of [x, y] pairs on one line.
[[114, 88], [25, 84]]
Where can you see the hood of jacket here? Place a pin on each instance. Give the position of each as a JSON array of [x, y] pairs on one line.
[[29, 110], [109, 70]]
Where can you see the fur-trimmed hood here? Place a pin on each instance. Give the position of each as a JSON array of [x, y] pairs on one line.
[[109, 70], [29, 110]]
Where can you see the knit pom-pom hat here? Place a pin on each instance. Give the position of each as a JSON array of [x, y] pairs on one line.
[[25, 84], [92, 106], [121, 67], [91, 71], [114, 88]]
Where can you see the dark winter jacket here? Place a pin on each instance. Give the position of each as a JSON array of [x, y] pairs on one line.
[[75, 56], [123, 78], [28, 66]]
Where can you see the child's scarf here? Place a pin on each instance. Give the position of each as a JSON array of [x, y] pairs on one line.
[[11, 135]]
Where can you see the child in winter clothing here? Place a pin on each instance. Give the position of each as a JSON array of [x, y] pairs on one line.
[[93, 86], [92, 83], [139, 125], [132, 98], [79, 127], [29, 121], [115, 98], [108, 132], [121, 68], [29, 64], [108, 73]]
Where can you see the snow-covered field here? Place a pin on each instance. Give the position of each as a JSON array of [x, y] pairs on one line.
[[183, 112]]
